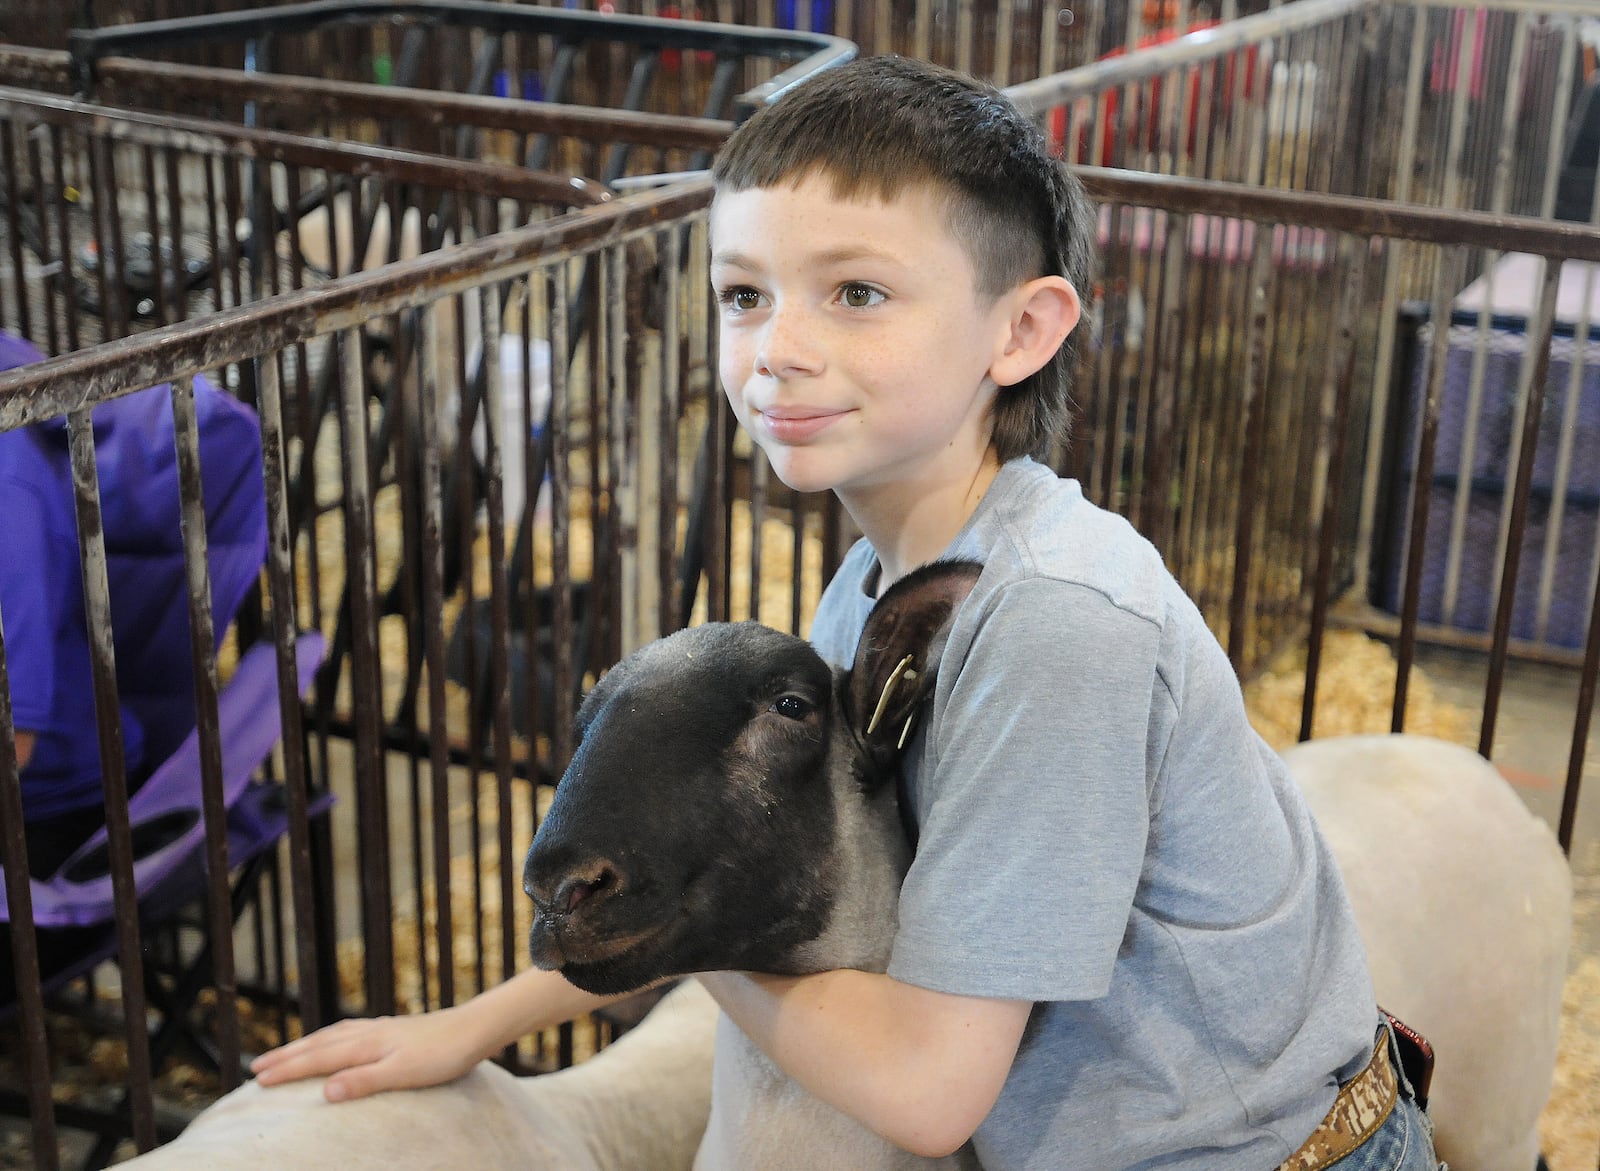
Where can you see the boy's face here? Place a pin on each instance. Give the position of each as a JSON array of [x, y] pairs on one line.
[[855, 345]]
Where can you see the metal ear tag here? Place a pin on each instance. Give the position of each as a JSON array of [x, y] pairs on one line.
[[903, 670]]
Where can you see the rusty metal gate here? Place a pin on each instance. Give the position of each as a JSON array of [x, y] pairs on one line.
[[1310, 189]]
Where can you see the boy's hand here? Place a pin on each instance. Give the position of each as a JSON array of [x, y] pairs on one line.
[[362, 1057]]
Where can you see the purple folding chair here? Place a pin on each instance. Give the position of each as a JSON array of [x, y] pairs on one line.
[[140, 508], [168, 829]]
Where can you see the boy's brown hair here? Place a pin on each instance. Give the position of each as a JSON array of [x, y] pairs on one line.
[[876, 124]]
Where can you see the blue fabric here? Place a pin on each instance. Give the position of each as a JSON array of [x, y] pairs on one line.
[[41, 586], [1403, 1143], [47, 645]]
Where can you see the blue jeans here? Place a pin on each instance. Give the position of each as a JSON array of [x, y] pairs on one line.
[[1405, 1140]]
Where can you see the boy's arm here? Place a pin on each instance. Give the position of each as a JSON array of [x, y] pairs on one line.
[[361, 1057], [920, 1068]]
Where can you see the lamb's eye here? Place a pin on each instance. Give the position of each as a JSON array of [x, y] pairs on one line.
[[791, 707]]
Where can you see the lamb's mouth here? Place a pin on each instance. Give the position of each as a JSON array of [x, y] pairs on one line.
[[558, 944]]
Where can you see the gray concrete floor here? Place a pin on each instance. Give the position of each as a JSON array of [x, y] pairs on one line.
[[1533, 731]]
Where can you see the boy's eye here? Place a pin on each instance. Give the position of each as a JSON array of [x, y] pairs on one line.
[[859, 296], [741, 298]]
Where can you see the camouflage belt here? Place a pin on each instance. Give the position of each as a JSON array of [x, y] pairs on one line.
[[1364, 1102]]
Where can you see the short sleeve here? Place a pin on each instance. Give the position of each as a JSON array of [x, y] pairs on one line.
[[1032, 799]]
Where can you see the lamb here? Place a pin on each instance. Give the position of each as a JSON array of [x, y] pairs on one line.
[[768, 838], [1461, 895], [640, 1103]]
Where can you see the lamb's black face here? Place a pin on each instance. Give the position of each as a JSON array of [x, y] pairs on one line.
[[693, 829]]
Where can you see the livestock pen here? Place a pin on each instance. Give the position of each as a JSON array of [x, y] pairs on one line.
[[1301, 184], [627, 507], [117, 221], [1003, 41]]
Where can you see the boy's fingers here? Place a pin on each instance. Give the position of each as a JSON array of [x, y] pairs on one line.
[[355, 1083], [328, 1057], [335, 1034], [385, 1071]]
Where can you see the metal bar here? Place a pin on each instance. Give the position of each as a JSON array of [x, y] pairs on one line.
[[432, 575], [561, 743], [1534, 7], [371, 783], [111, 269], [281, 588], [1557, 145], [9, 166], [1582, 717], [639, 81], [1033, 97], [1406, 151], [1004, 32], [114, 780], [922, 30], [239, 142], [671, 406], [500, 622], [561, 70], [1254, 410], [62, 275], [51, 388], [431, 109], [1540, 337], [24, 941], [87, 46], [203, 660], [1421, 488], [1395, 220], [1570, 415], [1336, 425]]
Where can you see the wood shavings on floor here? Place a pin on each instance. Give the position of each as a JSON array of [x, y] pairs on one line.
[[1355, 694], [1569, 1128]]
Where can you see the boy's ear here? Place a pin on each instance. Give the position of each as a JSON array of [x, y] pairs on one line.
[[1041, 313], [898, 655]]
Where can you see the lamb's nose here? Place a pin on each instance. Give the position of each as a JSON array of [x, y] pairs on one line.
[[562, 893]]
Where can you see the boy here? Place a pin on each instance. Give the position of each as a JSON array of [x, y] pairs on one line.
[[1122, 942]]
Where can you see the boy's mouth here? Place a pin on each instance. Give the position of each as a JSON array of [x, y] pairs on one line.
[[797, 424]]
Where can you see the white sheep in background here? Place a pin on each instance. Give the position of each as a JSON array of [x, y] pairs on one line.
[[1464, 901]]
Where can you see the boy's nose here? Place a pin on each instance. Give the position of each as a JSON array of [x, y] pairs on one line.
[[788, 346]]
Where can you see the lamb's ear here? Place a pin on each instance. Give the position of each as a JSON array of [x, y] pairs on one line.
[[898, 655]]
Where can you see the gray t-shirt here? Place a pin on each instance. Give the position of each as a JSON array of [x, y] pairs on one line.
[[1102, 832]]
